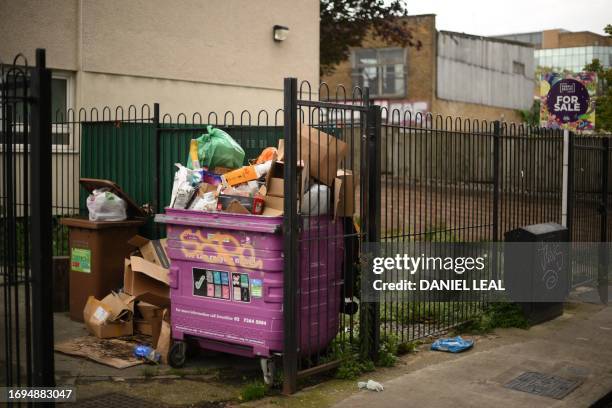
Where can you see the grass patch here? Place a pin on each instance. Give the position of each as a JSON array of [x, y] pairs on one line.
[[253, 391], [496, 315]]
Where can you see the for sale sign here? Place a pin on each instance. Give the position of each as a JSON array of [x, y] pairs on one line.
[[566, 101]]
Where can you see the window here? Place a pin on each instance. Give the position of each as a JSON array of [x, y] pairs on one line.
[[61, 101], [518, 68], [380, 69]]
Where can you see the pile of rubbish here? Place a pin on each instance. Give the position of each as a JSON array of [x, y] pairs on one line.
[[142, 307], [214, 178]]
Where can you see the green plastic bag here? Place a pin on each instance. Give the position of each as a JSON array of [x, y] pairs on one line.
[[218, 149]]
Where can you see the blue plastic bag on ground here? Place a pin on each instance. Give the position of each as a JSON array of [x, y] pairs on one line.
[[452, 345]]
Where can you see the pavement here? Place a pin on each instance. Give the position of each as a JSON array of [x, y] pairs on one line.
[[576, 346]]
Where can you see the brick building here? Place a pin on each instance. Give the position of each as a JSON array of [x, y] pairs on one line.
[[450, 74]]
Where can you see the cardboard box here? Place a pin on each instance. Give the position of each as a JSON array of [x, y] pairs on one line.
[[109, 317], [321, 152], [344, 194], [251, 205], [152, 250], [146, 281], [275, 187], [150, 320], [274, 206]]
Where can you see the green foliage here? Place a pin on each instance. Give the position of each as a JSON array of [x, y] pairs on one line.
[[603, 103], [253, 391], [387, 355], [531, 116], [346, 23], [496, 315], [351, 368], [405, 348]]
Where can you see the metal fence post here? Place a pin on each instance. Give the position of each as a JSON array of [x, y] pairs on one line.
[[496, 179], [158, 205], [370, 312], [565, 178], [41, 236], [290, 231], [570, 185], [603, 252]]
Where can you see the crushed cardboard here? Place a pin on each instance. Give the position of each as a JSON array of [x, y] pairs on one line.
[[146, 281], [275, 187], [153, 250], [109, 317], [117, 353], [150, 320]]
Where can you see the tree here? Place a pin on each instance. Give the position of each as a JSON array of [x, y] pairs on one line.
[[345, 24], [603, 103]]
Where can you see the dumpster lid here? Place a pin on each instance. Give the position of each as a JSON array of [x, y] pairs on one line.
[[91, 184], [243, 222]]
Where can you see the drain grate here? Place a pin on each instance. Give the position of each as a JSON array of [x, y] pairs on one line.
[[116, 400], [543, 384]]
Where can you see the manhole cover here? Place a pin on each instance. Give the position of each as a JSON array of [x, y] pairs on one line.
[[117, 401], [543, 384]]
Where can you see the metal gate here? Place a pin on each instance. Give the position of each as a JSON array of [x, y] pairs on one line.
[[591, 204], [320, 304], [25, 224]]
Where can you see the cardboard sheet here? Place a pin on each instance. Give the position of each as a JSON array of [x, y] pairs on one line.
[[116, 353]]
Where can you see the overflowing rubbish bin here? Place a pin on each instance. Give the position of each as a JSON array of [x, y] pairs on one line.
[[226, 283], [98, 248]]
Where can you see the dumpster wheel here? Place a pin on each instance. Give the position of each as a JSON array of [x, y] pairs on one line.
[[177, 354], [268, 369]]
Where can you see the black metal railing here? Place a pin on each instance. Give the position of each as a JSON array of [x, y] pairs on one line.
[[25, 224], [413, 178]]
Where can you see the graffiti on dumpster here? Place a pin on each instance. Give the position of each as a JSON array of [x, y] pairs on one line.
[[219, 248]]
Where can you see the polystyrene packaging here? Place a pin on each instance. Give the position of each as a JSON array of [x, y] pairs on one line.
[[103, 205]]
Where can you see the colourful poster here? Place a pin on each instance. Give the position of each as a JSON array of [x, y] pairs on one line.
[[567, 101]]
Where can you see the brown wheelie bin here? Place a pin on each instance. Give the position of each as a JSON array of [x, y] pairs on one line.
[[98, 249]]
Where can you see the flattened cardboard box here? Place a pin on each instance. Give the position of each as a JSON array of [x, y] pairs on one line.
[[109, 317], [321, 152]]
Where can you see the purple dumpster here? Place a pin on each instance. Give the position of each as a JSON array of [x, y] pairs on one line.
[[226, 283]]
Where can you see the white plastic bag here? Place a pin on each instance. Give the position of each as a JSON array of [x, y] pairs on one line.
[[371, 385], [316, 200], [103, 205]]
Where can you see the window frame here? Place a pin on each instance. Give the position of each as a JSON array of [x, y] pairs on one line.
[[379, 69], [56, 128]]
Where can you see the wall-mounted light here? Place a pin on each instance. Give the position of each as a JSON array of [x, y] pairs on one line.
[[280, 32]]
